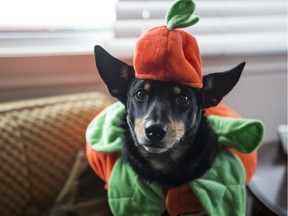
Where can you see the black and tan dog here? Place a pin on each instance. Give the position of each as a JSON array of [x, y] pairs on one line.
[[166, 136]]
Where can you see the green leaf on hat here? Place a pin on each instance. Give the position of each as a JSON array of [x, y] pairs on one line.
[[180, 15]]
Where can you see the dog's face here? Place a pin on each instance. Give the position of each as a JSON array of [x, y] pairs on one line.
[[163, 120], [160, 113]]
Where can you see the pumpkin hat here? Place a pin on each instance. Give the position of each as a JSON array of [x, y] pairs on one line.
[[166, 53]]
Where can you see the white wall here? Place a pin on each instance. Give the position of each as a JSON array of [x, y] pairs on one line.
[[260, 95]]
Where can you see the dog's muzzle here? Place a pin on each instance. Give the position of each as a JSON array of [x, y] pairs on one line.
[[155, 132]]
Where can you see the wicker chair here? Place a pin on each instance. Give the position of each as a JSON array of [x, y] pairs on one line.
[[39, 141]]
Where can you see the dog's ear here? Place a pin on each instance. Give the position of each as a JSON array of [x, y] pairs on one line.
[[116, 74], [217, 85]]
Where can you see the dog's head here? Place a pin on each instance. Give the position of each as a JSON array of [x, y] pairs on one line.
[[160, 114]]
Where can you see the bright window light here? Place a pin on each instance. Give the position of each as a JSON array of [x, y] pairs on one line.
[[31, 15]]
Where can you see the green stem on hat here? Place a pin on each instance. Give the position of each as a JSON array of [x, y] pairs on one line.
[[180, 15]]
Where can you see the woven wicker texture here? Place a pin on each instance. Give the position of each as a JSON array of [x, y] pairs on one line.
[[39, 140]]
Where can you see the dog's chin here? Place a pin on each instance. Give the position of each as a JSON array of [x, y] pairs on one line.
[[155, 150]]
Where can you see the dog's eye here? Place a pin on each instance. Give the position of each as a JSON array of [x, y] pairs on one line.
[[182, 99], [142, 95]]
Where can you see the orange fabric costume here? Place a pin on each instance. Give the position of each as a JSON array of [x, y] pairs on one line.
[[103, 163], [168, 55]]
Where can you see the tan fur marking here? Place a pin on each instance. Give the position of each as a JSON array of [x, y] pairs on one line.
[[177, 130], [138, 127], [176, 90], [125, 72], [147, 86], [209, 84]]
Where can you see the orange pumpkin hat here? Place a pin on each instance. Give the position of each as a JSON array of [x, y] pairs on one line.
[[166, 53]]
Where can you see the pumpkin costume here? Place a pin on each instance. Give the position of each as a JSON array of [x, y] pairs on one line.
[[175, 57], [165, 53], [220, 191], [173, 52]]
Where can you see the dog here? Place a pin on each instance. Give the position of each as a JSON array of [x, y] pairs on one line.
[[166, 136]]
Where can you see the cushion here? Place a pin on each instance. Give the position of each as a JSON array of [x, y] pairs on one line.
[[83, 192]]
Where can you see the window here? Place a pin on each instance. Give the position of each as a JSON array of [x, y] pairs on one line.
[[33, 27], [56, 14], [226, 26]]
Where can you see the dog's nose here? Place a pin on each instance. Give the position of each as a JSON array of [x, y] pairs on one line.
[[155, 131]]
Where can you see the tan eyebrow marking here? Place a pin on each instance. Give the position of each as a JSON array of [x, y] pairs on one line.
[[147, 86], [176, 90]]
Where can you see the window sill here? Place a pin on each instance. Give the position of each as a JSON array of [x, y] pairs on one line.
[[24, 44]]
